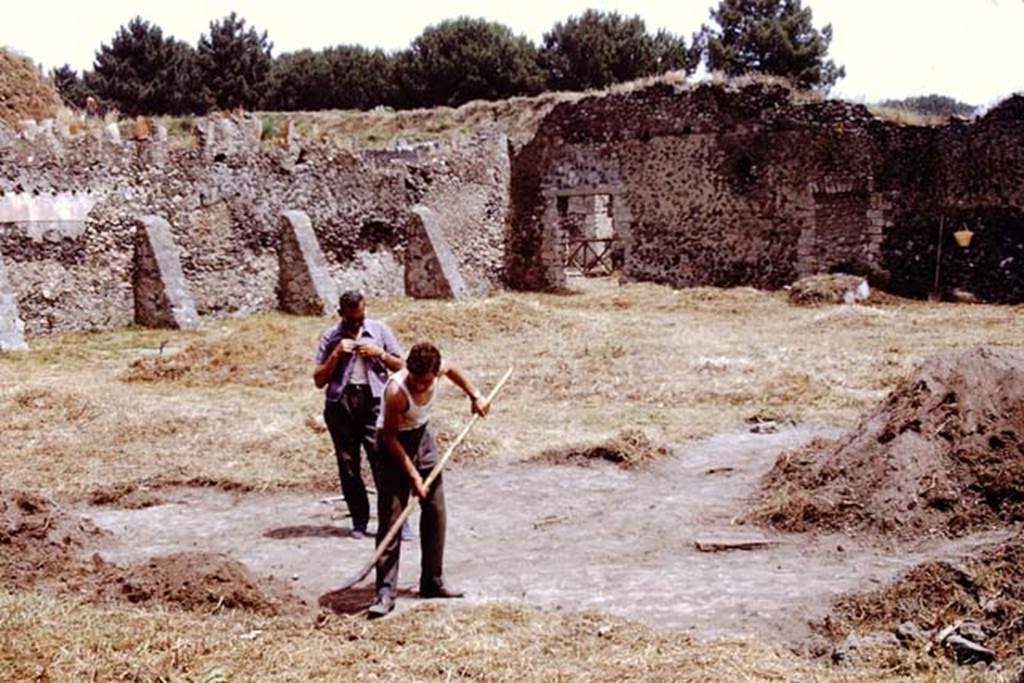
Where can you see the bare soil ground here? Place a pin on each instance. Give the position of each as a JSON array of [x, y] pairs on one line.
[[200, 459], [569, 537]]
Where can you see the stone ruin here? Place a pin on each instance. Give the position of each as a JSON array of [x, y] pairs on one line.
[[711, 185], [100, 230], [751, 185]]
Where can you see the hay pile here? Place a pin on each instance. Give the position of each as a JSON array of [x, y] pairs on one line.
[[831, 288], [24, 93], [628, 449], [944, 453], [264, 351], [986, 590]]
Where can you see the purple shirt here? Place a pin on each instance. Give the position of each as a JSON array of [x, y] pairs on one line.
[[374, 332]]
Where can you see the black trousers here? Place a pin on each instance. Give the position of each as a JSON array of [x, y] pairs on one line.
[[393, 490], [352, 422]]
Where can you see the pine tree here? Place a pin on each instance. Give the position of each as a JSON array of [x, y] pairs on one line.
[[775, 37], [465, 59], [234, 63], [596, 50], [141, 72]]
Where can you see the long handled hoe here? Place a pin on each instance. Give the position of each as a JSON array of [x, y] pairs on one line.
[[413, 500]]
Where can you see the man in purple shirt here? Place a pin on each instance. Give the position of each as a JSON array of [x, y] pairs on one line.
[[352, 362]]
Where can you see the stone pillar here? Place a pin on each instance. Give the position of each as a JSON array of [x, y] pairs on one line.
[[431, 270], [304, 282], [162, 296], [12, 328]]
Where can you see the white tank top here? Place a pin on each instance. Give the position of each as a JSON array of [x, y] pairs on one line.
[[415, 415]]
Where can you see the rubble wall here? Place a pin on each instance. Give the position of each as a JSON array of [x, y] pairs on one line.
[[755, 186], [223, 195]]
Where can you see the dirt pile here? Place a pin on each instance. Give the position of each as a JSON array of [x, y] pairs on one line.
[[43, 547], [199, 582], [628, 449], [38, 540], [24, 93], [944, 453], [984, 595]]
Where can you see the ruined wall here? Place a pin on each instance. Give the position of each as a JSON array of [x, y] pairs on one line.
[[223, 197], [466, 183], [748, 186]]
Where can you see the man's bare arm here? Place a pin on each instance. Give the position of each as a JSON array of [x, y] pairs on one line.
[[478, 404]]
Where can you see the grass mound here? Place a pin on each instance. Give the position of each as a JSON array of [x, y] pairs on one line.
[[629, 449], [944, 453], [24, 93]]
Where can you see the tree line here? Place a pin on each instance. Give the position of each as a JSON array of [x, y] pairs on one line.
[[142, 71]]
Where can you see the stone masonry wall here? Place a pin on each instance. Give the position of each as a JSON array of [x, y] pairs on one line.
[[747, 186], [223, 197]]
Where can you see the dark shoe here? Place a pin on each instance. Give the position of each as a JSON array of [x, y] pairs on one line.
[[382, 606], [440, 592]]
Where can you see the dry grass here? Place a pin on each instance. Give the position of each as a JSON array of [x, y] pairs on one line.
[[495, 642], [906, 117], [629, 449], [24, 92], [234, 405]]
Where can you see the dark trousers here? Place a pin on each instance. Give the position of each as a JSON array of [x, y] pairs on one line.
[[352, 422], [393, 489]]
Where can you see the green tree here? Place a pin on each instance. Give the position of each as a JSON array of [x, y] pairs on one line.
[[932, 105], [466, 59], [774, 37], [299, 81], [234, 63], [70, 86], [596, 49], [141, 72], [342, 77], [360, 78]]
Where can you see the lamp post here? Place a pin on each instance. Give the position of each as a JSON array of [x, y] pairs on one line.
[[963, 239]]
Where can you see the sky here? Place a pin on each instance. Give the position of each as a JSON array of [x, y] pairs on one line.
[[967, 49]]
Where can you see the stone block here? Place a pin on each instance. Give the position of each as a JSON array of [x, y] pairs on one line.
[[431, 270], [162, 295], [304, 282], [12, 328]]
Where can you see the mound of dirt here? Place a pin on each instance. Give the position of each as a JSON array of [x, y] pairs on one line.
[[37, 539], [24, 93], [200, 582], [944, 453], [986, 591], [834, 288], [628, 449]]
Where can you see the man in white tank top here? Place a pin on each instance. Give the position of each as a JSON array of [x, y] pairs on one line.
[[408, 451]]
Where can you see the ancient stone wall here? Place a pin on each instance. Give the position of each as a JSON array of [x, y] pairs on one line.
[[223, 197], [466, 183], [750, 186]]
